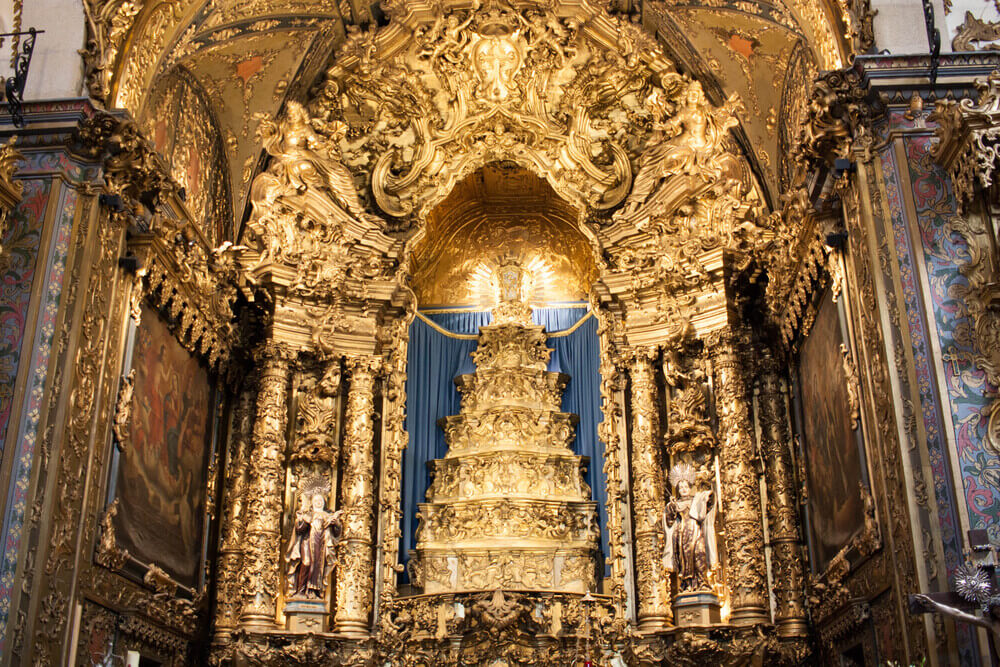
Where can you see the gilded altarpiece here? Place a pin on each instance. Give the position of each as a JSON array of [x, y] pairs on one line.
[[702, 397]]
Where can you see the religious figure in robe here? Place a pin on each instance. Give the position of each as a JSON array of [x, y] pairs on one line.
[[689, 521], [311, 550]]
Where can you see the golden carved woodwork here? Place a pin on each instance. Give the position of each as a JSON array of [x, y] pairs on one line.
[[354, 593], [740, 487], [261, 564], [445, 142], [782, 503], [501, 211], [10, 189], [508, 507], [649, 495]]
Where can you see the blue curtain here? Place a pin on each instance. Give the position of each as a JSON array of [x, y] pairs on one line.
[[433, 361]]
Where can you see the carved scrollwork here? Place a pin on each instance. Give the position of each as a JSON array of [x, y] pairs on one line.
[[123, 411], [967, 136], [10, 189], [853, 386], [108, 25], [109, 554]]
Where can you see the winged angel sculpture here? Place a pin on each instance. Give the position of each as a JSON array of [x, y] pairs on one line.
[[303, 160], [689, 143]]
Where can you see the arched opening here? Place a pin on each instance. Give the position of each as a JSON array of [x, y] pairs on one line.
[[501, 211], [502, 215]]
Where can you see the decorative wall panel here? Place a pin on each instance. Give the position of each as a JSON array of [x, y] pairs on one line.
[[968, 392]]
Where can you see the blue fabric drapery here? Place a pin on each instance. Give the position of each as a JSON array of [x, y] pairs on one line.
[[433, 361]]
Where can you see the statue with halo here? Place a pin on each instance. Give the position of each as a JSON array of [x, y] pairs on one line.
[[689, 520]]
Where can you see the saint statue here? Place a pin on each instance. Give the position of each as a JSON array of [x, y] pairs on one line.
[[310, 553], [690, 549]]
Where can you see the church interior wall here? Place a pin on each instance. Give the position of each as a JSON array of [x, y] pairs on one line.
[[176, 217]]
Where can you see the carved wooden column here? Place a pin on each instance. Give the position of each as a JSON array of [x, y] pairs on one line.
[[648, 495], [228, 599], [262, 540], [740, 486], [357, 499], [782, 514]]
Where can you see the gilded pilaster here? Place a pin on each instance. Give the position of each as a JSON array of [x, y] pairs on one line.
[[262, 539], [740, 486], [357, 499], [227, 607], [782, 514], [648, 495], [608, 432]]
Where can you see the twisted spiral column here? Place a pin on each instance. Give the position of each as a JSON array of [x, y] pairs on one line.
[[262, 540], [228, 599], [740, 486], [355, 576], [782, 514], [649, 499]]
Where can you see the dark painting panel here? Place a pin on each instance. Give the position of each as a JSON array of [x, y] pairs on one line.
[[833, 458], [161, 474]]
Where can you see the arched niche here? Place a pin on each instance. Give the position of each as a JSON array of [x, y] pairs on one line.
[[501, 211]]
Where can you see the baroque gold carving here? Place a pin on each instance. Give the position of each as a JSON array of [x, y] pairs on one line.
[[649, 497], [355, 583], [109, 554], [966, 136], [123, 411], [782, 504], [740, 486], [261, 552], [489, 523], [853, 387], [108, 25], [10, 189]]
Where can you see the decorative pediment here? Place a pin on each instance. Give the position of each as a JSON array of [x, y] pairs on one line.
[[444, 90], [584, 100]]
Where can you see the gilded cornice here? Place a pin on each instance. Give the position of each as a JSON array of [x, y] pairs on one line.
[[967, 133], [192, 282]]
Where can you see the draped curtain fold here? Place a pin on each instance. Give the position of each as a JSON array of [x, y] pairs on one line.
[[434, 359]]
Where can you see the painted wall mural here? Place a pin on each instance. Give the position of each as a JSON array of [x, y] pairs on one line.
[[17, 270], [161, 476], [834, 466], [968, 390]]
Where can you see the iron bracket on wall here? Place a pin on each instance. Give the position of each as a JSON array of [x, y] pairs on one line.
[[14, 85], [933, 39]]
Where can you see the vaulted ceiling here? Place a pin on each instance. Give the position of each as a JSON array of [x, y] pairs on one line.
[[183, 63]]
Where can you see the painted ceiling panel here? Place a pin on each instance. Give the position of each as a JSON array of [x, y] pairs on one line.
[[751, 56], [244, 78]]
